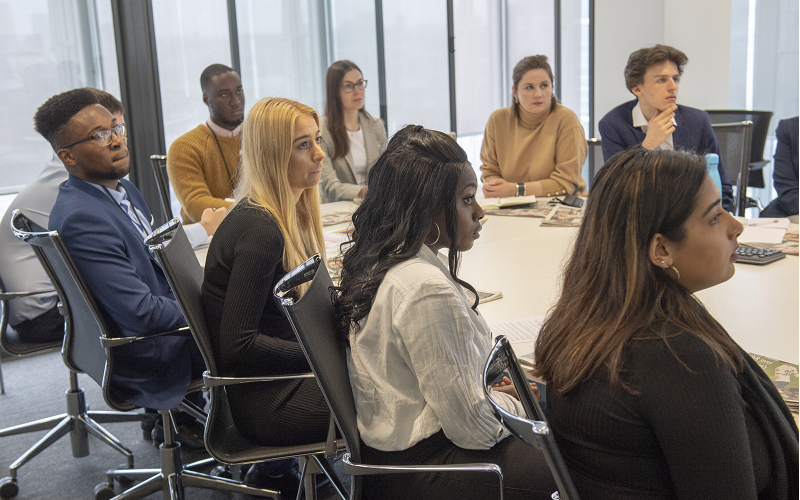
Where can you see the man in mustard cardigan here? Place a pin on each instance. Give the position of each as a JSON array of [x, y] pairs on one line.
[[202, 163]]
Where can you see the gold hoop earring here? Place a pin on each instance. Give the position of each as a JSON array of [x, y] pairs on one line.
[[677, 273], [438, 234]]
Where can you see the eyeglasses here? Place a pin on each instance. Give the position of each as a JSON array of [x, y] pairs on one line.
[[348, 87], [103, 137]]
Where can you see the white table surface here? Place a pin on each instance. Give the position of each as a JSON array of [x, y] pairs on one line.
[[514, 255]]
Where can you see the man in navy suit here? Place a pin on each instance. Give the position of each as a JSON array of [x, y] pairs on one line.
[[784, 176], [103, 219], [654, 119]]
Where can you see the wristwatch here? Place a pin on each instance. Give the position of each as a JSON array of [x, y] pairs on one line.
[[521, 189]]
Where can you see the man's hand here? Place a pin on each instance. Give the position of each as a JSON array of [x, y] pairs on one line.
[[499, 188], [211, 219], [507, 387], [659, 128]]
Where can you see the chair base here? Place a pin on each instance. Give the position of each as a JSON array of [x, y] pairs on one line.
[[173, 477], [77, 422]]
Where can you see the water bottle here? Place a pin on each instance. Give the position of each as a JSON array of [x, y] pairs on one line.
[[712, 167]]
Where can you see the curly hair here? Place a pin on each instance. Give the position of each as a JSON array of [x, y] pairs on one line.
[[53, 117], [413, 180], [640, 60]]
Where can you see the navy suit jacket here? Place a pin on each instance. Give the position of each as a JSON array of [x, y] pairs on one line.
[[131, 290], [784, 176], [692, 133]]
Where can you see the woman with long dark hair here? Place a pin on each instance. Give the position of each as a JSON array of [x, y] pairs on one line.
[[417, 344], [351, 138], [536, 146], [647, 394]]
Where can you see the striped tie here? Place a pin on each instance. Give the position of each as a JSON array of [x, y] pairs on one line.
[[126, 206]]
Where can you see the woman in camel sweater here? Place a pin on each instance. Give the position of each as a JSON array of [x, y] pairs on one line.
[[537, 146]]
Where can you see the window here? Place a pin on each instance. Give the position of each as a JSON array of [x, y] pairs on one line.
[[49, 47], [190, 35]]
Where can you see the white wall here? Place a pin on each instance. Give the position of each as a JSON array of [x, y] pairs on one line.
[[622, 26]]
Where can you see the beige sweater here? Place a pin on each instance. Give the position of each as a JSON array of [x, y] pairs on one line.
[[547, 147], [197, 172]]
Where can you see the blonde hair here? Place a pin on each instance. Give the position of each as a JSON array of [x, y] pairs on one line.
[[267, 137]]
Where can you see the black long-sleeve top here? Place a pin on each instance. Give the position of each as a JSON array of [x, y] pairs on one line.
[[252, 337], [691, 432]]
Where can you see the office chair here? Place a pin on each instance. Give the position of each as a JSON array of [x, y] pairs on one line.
[[78, 356], [734, 148], [312, 319], [761, 121], [534, 429], [594, 160], [170, 247], [159, 163], [9, 338]]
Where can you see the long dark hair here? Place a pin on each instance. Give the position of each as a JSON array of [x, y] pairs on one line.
[[413, 180], [333, 106], [612, 293]]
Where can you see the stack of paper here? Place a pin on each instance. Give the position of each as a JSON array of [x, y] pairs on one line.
[[764, 231]]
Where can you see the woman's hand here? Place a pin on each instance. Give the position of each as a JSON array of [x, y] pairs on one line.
[[499, 188], [507, 386]]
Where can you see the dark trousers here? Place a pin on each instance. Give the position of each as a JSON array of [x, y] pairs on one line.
[[525, 472], [44, 328]]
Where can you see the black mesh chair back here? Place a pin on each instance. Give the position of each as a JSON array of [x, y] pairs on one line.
[[83, 349], [734, 148], [312, 319], [760, 119], [170, 246], [534, 430], [159, 163]]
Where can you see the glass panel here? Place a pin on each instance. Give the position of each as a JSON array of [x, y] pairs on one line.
[[354, 38], [283, 51], [479, 65], [531, 30], [47, 48], [417, 76], [106, 50], [575, 59], [190, 35]]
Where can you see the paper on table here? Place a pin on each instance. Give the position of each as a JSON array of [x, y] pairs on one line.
[[782, 223], [519, 329], [761, 234]]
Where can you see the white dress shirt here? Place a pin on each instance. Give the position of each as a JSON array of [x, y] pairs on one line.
[[416, 364], [358, 151], [640, 121]]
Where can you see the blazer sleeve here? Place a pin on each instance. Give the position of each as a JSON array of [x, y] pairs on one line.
[[610, 137], [100, 254], [785, 176], [332, 188]]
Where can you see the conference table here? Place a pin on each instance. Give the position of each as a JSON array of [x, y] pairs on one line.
[[524, 260]]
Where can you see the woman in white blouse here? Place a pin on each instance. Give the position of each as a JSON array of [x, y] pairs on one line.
[[351, 138], [417, 344]]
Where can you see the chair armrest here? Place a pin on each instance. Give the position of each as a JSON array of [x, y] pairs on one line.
[[114, 342], [758, 165], [211, 381], [16, 295]]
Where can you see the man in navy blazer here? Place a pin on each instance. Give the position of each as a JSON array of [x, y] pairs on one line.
[[784, 176], [654, 120], [102, 220]]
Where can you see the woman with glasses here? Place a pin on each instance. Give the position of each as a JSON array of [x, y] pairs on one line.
[[417, 344], [351, 138], [537, 146], [647, 394], [272, 228]]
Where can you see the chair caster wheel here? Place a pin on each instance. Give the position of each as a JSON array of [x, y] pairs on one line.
[[104, 491], [221, 471], [8, 488]]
